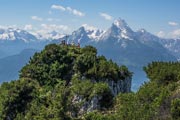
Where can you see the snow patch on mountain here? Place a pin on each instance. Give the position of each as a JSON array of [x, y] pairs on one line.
[[92, 32], [118, 34], [172, 45], [12, 34], [145, 36], [119, 30]]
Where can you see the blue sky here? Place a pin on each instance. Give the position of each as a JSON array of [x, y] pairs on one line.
[[156, 16]]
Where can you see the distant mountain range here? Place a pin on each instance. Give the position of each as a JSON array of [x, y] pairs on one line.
[[119, 43], [14, 34], [123, 45], [173, 45], [10, 66]]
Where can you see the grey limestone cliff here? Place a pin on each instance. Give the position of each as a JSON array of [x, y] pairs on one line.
[[94, 103]]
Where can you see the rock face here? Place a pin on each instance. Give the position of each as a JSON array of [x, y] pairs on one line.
[[91, 105], [85, 106], [120, 86]]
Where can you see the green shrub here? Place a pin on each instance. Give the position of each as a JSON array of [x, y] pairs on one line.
[[175, 109]]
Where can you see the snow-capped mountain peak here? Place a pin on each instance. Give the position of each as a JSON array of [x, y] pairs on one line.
[[16, 34], [90, 31], [120, 23], [120, 30]]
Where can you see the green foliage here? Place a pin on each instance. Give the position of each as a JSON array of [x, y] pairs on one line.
[[175, 108], [159, 99], [126, 107], [54, 62], [61, 62], [82, 88], [84, 62], [163, 72], [87, 90], [15, 95], [154, 100], [89, 49], [52, 78], [102, 89], [98, 116], [107, 70]]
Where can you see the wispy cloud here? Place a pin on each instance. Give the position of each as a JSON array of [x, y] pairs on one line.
[[173, 23], [106, 16], [75, 12], [54, 27], [175, 33], [53, 19], [172, 34], [36, 18], [28, 27], [58, 7], [68, 9]]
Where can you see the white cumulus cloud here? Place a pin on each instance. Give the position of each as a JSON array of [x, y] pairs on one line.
[[36, 18], [106, 16], [173, 23], [75, 12], [58, 7], [68, 9]]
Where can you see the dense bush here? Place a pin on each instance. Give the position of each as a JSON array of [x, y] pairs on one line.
[[51, 79], [175, 109], [163, 72], [158, 99], [62, 62]]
